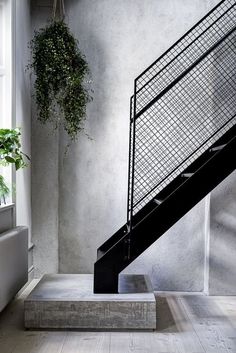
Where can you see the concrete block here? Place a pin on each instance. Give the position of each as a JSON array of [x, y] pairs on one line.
[[67, 301]]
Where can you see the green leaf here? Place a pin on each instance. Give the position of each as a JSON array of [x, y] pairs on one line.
[[4, 190], [10, 148], [18, 164], [10, 159]]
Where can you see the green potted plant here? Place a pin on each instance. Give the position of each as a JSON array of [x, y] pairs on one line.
[[4, 190], [60, 70], [10, 154]]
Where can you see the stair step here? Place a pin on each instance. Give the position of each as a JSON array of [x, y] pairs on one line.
[[217, 148], [158, 202], [187, 175]]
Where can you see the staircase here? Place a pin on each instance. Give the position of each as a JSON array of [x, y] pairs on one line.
[[182, 138]]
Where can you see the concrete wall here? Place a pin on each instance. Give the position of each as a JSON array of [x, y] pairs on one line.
[[79, 200], [45, 168], [222, 250]]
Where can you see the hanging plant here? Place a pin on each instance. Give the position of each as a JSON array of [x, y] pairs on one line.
[[60, 70]]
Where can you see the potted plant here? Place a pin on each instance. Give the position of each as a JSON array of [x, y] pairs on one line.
[[4, 190], [60, 71], [10, 154]]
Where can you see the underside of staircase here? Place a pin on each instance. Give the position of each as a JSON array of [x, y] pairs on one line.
[[182, 138]]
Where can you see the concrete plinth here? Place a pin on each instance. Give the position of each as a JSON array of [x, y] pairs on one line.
[[67, 301]]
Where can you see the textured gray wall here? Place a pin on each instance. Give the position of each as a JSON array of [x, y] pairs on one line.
[[176, 260], [80, 200], [45, 191], [222, 252]]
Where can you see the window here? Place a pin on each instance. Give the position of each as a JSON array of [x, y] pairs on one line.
[[6, 45]]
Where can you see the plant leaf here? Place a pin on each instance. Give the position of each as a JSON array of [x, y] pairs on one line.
[[10, 159]]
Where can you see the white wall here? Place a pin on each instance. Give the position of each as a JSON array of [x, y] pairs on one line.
[[6, 78]]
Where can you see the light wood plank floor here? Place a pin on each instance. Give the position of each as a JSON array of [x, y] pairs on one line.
[[186, 324]]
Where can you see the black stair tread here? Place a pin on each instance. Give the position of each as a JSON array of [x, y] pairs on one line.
[[217, 148], [158, 202], [155, 221], [167, 192], [177, 182], [160, 219], [187, 175], [109, 243]]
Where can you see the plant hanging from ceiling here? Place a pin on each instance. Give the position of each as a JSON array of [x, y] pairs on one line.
[[60, 70]]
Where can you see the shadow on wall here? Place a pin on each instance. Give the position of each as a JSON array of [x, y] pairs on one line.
[[169, 267], [222, 267], [223, 238]]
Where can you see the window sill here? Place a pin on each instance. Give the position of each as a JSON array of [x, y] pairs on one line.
[[6, 207]]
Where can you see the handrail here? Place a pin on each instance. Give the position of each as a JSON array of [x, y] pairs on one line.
[[180, 77], [180, 53], [180, 39]]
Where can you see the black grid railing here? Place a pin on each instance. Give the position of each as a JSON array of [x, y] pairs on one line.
[[182, 104]]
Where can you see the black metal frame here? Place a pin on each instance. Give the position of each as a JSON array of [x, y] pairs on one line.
[[172, 133], [224, 12]]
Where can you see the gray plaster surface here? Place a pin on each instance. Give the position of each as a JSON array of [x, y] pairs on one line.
[[45, 191], [79, 200], [222, 252], [68, 301], [93, 178], [179, 251], [93, 190]]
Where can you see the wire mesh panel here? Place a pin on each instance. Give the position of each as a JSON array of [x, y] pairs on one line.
[[184, 53], [194, 84]]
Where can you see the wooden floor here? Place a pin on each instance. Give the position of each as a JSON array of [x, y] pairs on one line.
[[186, 323]]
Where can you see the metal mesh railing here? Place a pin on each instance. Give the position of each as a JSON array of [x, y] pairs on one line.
[[162, 73], [182, 104]]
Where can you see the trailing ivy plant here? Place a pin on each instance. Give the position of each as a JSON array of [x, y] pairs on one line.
[[10, 154], [60, 70]]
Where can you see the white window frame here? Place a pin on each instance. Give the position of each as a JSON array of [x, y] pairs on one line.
[[6, 67], [7, 75]]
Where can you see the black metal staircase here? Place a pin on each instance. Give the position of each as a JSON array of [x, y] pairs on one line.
[[182, 138]]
